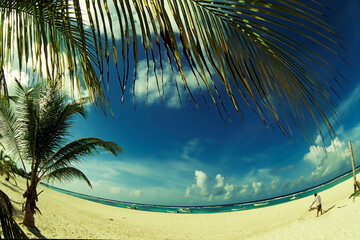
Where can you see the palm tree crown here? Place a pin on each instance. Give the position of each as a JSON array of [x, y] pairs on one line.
[[35, 131]]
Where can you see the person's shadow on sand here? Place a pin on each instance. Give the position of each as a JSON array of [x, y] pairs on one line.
[[325, 211], [313, 208]]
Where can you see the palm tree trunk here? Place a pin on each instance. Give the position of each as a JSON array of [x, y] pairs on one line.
[[30, 206], [29, 219]]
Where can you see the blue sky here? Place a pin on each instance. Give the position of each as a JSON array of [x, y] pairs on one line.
[[176, 156]]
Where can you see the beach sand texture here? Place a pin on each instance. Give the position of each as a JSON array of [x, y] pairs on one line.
[[64, 216]]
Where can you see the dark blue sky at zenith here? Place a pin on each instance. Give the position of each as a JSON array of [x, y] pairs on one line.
[[185, 156]]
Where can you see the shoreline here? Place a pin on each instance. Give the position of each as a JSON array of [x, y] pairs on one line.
[[213, 208], [66, 216]]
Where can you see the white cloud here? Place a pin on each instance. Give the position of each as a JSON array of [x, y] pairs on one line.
[[154, 91], [151, 90], [188, 192], [191, 148], [258, 187], [229, 188], [201, 187], [265, 182], [329, 160], [136, 193], [115, 190], [318, 140], [201, 182], [275, 183], [96, 184], [220, 189], [147, 89], [219, 181], [244, 189]]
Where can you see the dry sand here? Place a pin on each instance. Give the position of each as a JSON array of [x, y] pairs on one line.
[[64, 216]]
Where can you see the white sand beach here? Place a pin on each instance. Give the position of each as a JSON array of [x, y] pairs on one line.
[[64, 216]]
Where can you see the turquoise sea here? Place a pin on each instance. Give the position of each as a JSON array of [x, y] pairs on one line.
[[213, 208]]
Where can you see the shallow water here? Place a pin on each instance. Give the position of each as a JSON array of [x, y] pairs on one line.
[[213, 208]]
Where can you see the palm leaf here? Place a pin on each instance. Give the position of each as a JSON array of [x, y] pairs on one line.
[[56, 117], [66, 174], [262, 53], [11, 132], [73, 153], [266, 54], [50, 35]]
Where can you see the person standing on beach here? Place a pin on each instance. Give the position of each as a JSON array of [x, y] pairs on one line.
[[318, 204]]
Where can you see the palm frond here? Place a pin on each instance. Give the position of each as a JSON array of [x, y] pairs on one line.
[[266, 54], [50, 37], [74, 152], [28, 118], [11, 132], [269, 55], [66, 174], [56, 115]]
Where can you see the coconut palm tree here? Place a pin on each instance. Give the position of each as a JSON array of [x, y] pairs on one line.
[[270, 55], [35, 131]]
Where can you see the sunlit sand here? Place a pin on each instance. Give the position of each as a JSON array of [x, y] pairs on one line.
[[64, 216]]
